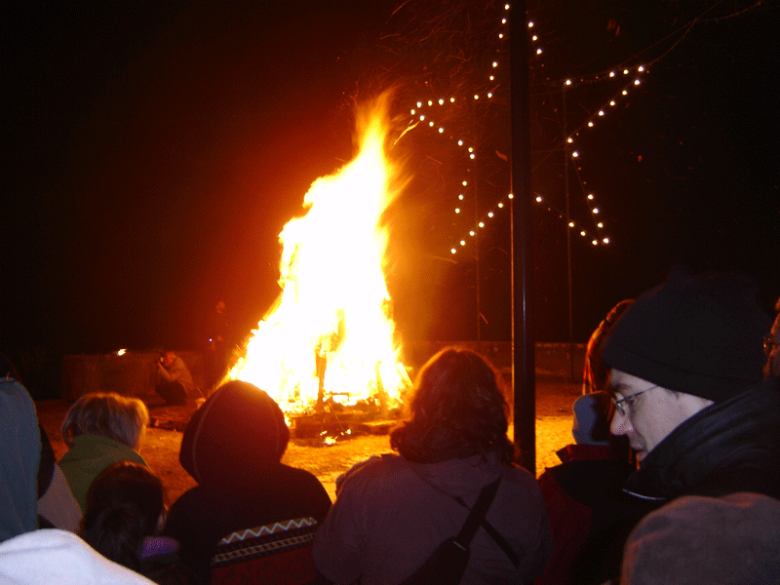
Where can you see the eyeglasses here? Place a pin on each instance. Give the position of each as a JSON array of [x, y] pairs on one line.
[[619, 404]]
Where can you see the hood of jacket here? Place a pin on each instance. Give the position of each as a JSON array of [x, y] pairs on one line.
[[728, 447], [459, 477], [239, 429], [21, 443]]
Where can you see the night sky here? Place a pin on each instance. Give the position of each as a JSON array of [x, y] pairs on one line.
[[153, 151]]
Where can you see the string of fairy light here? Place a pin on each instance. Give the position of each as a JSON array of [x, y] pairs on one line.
[[424, 114]]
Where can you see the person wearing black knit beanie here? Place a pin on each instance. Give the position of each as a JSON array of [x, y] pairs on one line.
[[690, 393]]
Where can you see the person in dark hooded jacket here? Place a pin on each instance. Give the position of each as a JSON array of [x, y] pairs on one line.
[[233, 447], [21, 444]]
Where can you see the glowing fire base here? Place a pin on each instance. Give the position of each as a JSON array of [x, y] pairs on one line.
[[339, 422]]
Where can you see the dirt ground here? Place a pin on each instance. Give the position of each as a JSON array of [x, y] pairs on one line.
[[160, 448]]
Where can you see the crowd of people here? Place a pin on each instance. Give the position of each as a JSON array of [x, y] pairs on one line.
[[673, 476]]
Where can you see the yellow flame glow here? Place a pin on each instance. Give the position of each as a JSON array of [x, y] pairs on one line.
[[331, 328]]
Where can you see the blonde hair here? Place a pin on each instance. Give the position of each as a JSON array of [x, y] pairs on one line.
[[108, 414]]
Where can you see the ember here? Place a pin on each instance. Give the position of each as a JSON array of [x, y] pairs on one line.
[[330, 335]]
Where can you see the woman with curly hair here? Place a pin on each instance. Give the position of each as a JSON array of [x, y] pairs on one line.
[[393, 511]]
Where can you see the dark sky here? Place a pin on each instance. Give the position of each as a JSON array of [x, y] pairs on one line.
[[152, 152]]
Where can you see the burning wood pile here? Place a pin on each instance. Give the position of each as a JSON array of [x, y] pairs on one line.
[[327, 350]]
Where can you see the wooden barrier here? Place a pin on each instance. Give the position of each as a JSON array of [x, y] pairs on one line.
[[130, 374]]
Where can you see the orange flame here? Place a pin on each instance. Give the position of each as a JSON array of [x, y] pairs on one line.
[[330, 330]]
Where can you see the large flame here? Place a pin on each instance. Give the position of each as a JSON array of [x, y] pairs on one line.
[[330, 333]]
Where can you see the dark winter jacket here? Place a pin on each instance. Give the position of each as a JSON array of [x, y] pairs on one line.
[[583, 496], [391, 514], [232, 447], [729, 447], [21, 444]]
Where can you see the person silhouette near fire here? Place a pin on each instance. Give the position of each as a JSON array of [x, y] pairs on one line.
[[174, 381]]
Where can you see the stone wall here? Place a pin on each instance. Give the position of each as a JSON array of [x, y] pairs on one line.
[[133, 374], [560, 360]]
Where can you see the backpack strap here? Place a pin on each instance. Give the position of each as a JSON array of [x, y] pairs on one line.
[[492, 532], [477, 514]]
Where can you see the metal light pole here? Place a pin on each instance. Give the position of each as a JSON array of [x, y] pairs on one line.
[[523, 343]]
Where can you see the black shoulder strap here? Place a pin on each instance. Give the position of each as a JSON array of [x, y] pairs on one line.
[[489, 491], [477, 513], [492, 532]]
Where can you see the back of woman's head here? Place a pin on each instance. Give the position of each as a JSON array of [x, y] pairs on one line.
[[108, 414], [240, 429], [458, 410], [124, 505]]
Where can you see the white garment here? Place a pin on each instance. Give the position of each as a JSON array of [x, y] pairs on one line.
[[57, 557]]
